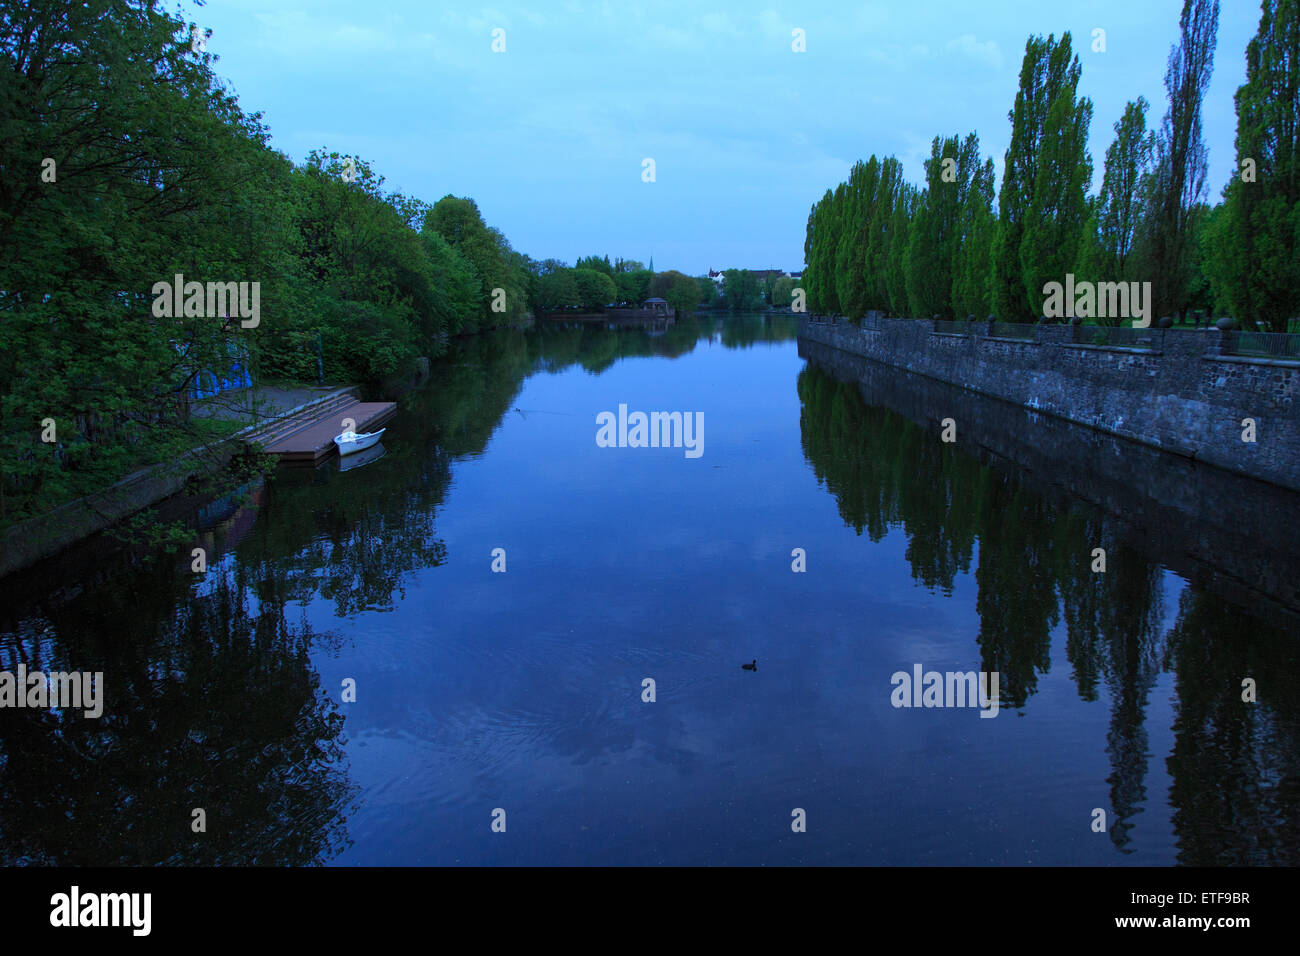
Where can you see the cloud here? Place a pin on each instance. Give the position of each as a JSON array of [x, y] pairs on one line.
[[986, 52]]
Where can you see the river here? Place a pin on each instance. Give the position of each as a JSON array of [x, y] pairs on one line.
[[440, 655]]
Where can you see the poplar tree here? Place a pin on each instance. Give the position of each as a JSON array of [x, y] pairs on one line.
[[1119, 208], [931, 246], [809, 283], [895, 278], [879, 232], [972, 271], [1049, 76], [1177, 182], [851, 252], [1059, 207], [1091, 261]]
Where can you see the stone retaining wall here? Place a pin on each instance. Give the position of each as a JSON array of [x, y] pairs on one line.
[[1183, 395]]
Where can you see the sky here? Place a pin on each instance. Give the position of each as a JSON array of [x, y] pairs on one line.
[[550, 136]]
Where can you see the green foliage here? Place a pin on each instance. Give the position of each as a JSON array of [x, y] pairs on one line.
[[875, 242], [1044, 106], [1054, 214], [707, 290], [930, 257], [782, 292], [559, 290], [895, 276], [159, 172], [1176, 182], [633, 286], [596, 289], [879, 232], [1090, 259], [973, 266], [1119, 210], [598, 263], [496, 265], [741, 289], [851, 277], [683, 295], [820, 249], [1060, 203], [1252, 249]]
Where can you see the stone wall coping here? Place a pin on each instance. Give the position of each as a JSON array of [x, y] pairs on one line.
[[1111, 348], [1253, 360]]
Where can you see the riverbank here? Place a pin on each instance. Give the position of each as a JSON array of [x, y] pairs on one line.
[[27, 542], [1176, 390]]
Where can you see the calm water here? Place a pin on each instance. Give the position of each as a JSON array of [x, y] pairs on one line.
[[522, 690]]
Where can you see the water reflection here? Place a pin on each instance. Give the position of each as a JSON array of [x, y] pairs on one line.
[[209, 704], [1235, 765]]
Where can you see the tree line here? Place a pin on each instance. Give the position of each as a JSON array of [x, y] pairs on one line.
[[876, 242], [127, 162], [593, 283]]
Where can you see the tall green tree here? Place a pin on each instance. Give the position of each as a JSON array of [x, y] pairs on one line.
[[1119, 210], [1045, 105], [1177, 181], [973, 268], [461, 224], [935, 235], [1059, 207], [851, 279], [879, 232], [895, 273], [1252, 249]]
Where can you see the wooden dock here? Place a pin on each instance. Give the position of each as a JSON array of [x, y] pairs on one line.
[[308, 435]]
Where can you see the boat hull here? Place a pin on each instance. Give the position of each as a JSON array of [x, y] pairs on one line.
[[350, 444]]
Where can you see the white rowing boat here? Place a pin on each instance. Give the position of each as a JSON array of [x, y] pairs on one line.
[[350, 443]]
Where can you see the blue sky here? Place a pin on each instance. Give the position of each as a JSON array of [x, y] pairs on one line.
[[549, 136]]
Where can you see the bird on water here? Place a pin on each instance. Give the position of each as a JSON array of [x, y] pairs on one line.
[[752, 666]]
